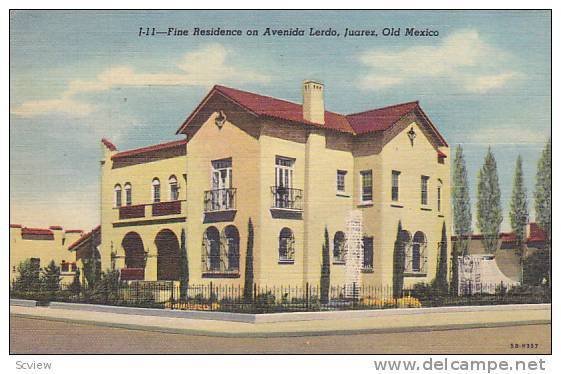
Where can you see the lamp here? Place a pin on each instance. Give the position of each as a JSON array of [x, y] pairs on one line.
[[412, 135]]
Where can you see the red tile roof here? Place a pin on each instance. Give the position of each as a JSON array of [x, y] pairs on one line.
[[96, 230], [380, 119], [74, 231], [15, 226], [151, 148], [55, 227], [108, 144], [441, 154], [508, 236], [356, 124], [35, 231], [536, 233]]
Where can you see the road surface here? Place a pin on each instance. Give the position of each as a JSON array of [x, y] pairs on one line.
[[29, 335]]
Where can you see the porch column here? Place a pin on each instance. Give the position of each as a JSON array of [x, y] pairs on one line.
[[151, 269]]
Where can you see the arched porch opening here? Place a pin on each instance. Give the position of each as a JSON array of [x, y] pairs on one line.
[[168, 255]]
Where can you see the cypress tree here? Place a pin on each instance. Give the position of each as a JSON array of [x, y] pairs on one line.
[[398, 262], [542, 194], [461, 200], [454, 276], [542, 199], [442, 265], [183, 269], [489, 211], [325, 270], [519, 211], [248, 284]]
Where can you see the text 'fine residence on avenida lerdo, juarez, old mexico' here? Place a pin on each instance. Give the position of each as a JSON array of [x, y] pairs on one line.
[[293, 170]]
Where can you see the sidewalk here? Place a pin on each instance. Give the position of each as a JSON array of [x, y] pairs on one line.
[[348, 324]]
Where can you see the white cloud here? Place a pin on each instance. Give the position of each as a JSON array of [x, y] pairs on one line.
[[203, 67], [463, 58]]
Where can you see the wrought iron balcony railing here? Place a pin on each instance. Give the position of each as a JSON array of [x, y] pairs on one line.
[[287, 198], [220, 200]]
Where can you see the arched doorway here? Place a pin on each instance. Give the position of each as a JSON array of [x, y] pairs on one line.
[[232, 239], [168, 255], [211, 244], [134, 251]]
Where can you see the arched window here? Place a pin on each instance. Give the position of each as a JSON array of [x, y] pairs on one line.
[[339, 247], [286, 245], [118, 196], [232, 244], [173, 188], [418, 252], [155, 190], [212, 261], [128, 194]]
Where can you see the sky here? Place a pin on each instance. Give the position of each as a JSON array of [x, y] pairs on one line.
[[78, 76]]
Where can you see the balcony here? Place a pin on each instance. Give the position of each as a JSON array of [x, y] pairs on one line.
[[132, 211], [166, 208], [157, 212], [286, 202], [219, 205], [286, 198]]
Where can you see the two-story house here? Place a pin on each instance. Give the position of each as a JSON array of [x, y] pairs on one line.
[[294, 170]]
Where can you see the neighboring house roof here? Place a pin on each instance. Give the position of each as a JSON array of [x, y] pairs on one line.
[[356, 124], [536, 233], [149, 149], [95, 233], [35, 231]]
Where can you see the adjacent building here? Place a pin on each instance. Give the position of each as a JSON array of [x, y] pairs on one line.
[[43, 245], [293, 170]]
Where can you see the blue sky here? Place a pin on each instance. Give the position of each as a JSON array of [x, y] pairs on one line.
[[79, 76]]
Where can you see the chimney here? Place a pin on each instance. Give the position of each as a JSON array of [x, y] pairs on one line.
[[313, 109]]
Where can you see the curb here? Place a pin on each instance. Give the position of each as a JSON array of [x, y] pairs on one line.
[[285, 333], [24, 302], [288, 317]]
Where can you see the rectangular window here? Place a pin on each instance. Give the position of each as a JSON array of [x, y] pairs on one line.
[[395, 185], [341, 180], [366, 193], [438, 192], [174, 191], [368, 258], [424, 190], [284, 171], [222, 174]]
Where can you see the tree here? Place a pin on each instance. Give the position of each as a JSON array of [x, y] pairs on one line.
[[441, 281], [536, 268], [28, 276], [489, 211], [542, 198], [50, 277], [183, 269], [75, 287], [454, 276], [461, 200], [398, 262], [519, 211], [248, 284], [325, 270]]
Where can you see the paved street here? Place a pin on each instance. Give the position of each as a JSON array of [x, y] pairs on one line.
[[42, 336]]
